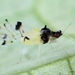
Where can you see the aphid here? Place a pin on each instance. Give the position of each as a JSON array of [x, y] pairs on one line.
[[42, 36], [34, 36]]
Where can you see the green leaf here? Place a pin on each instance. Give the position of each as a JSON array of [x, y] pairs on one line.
[[56, 58]]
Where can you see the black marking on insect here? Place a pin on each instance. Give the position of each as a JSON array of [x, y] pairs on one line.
[[45, 34], [19, 24], [26, 38], [56, 34], [4, 42]]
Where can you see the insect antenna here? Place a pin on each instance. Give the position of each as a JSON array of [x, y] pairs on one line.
[[67, 28], [20, 33], [68, 25], [38, 56], [22, 30], [63, 48], [20, 55]]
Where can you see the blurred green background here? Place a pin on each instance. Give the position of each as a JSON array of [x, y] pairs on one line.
[[55, 58]]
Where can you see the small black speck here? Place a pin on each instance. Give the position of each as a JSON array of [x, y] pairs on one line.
[[4, 42], [11, 41], [4, 24], [6, 20]]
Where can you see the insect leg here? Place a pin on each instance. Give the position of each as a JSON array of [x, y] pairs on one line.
[[10, 31], [26, 38], [38, 56], [20, 55], [64, 50]]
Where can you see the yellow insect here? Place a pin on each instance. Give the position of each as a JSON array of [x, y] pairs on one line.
[[34, 36]]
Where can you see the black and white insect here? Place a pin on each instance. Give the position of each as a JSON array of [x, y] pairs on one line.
[[34, 36], [42, 36]]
